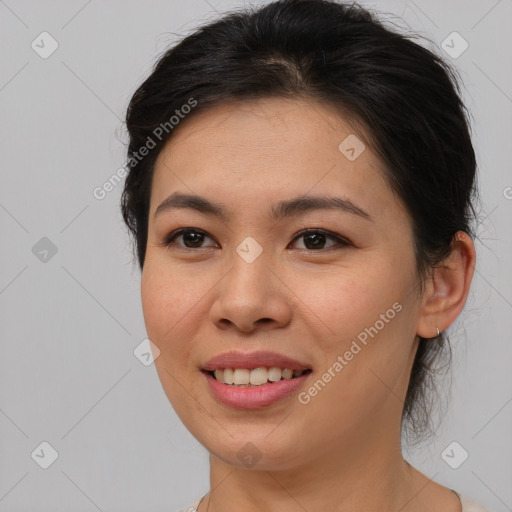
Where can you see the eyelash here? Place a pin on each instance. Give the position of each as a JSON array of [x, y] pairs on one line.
[[341, 241]]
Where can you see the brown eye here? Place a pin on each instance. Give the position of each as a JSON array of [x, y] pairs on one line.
[[192, 238], [315, 239]]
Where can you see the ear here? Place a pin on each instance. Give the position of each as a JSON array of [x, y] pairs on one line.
[[447, 289]]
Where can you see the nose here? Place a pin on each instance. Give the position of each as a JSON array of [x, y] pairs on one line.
[[251, 297]]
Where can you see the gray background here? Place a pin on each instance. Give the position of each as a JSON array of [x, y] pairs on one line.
[[70, 323]]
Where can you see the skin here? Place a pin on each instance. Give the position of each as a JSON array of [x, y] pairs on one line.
[[341, 451]]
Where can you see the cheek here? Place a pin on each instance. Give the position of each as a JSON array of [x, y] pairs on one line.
[[168, 296], [166, 308], [163, 304], [174, 306], [368, 315], [350, 302], [153, 295]]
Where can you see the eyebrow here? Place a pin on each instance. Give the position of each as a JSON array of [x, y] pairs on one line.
[[283, 209]]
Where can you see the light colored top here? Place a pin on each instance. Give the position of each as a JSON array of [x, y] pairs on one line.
[[468, 505]]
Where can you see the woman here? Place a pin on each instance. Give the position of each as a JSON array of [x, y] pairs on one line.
[[300, 193]]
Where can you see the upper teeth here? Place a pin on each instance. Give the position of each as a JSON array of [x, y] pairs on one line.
[[256, 377]]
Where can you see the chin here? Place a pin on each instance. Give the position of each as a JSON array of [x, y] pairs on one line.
[[252, 449]]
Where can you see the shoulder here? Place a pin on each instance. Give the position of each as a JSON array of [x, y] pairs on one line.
[[192, 507], [470, 505]]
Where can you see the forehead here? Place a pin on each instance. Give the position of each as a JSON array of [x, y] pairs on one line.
[[246, 152], [267, 126]]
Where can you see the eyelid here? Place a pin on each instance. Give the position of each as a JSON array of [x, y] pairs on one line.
[[181, 231], [341, 240]]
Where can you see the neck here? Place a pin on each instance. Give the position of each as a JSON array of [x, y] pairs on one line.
[[369, 475]]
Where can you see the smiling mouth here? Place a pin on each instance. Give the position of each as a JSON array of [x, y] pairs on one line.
[[245, 378]]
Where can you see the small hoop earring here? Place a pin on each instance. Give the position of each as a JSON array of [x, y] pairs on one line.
[[438, 333]]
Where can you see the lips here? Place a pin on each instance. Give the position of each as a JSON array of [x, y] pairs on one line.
[[257, 397], [252, 360], [254, 396]]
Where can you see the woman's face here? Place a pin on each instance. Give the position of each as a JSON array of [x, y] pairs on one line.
[[341, 301]]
